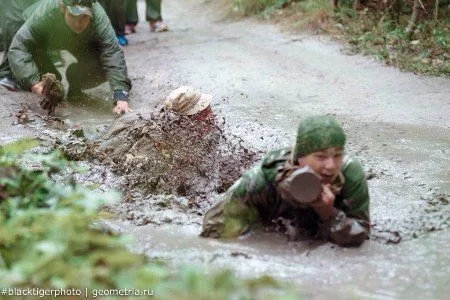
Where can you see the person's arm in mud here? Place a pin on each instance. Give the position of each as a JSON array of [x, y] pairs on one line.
[[112, 59], [234, 215], [346, 223], [121, 102], [21, 59]]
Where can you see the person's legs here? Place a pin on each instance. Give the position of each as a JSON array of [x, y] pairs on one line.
[[153, 10], [120, 10], [86, 73], [132, 17], [153, 16], [116, 9], [118, 19]]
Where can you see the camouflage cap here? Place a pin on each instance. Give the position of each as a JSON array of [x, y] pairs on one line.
[[187, 101], [87, 3], [79, 7], [317, 133]]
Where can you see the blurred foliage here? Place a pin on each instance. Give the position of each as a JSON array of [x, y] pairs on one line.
[[249, 7], [51, 237], [378, 28], [425, 50]]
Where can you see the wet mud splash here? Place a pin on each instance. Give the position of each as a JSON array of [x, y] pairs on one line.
[[171, 168], [165, 153]]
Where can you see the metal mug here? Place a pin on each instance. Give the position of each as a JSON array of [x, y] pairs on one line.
[[301, 185]]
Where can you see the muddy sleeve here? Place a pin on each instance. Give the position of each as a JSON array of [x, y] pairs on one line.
[[350, 226], [235, 214], [111, 55], [20, 55]]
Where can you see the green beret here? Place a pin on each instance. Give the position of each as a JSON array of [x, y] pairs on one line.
[[87, 3], [317, 133]]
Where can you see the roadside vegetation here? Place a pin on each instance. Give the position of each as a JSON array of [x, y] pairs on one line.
[[51, 237], [413, 35]]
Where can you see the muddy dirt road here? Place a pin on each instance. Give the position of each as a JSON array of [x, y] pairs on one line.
[[263, 82]]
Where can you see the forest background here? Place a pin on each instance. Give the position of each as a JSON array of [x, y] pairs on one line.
[[413, 35]]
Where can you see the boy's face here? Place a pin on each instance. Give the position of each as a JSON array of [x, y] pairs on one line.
[[327, 163], [78, 24]]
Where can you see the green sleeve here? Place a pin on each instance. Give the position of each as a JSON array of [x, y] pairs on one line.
[[21, 61], [355, 190], [234, 214], [111, 55], [27, 39], [248, 201]]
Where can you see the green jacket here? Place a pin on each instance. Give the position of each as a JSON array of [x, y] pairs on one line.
[[46, 29], [254, 198], [11, 18]]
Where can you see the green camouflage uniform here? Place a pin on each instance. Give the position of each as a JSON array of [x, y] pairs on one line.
[[96, 49], [255, 198], [11, 18]]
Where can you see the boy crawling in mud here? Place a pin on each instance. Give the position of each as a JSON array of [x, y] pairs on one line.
[[33, 30], [313, 187]]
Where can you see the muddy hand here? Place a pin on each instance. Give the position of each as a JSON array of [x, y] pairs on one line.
[[121, 107], [53, 92], [324, 206], [38, 88], [45, 103]]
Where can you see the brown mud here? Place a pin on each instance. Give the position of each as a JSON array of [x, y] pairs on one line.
[[165, 153], [263, 82]]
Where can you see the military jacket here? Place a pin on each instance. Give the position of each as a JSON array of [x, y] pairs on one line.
[[254, 199], [45, 29]]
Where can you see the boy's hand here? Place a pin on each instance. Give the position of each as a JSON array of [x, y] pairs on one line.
[[324, 207], [121, 107], [38, 88]]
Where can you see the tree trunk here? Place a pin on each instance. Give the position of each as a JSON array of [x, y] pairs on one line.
[[436, 9], [414, 15]]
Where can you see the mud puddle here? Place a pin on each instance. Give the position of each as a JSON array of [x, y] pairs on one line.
[[167, 227], [165, 217], [170, 172], [318, 270]]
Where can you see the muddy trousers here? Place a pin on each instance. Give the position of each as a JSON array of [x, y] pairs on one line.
[[116, 10], [152, 11], [86, 73]]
